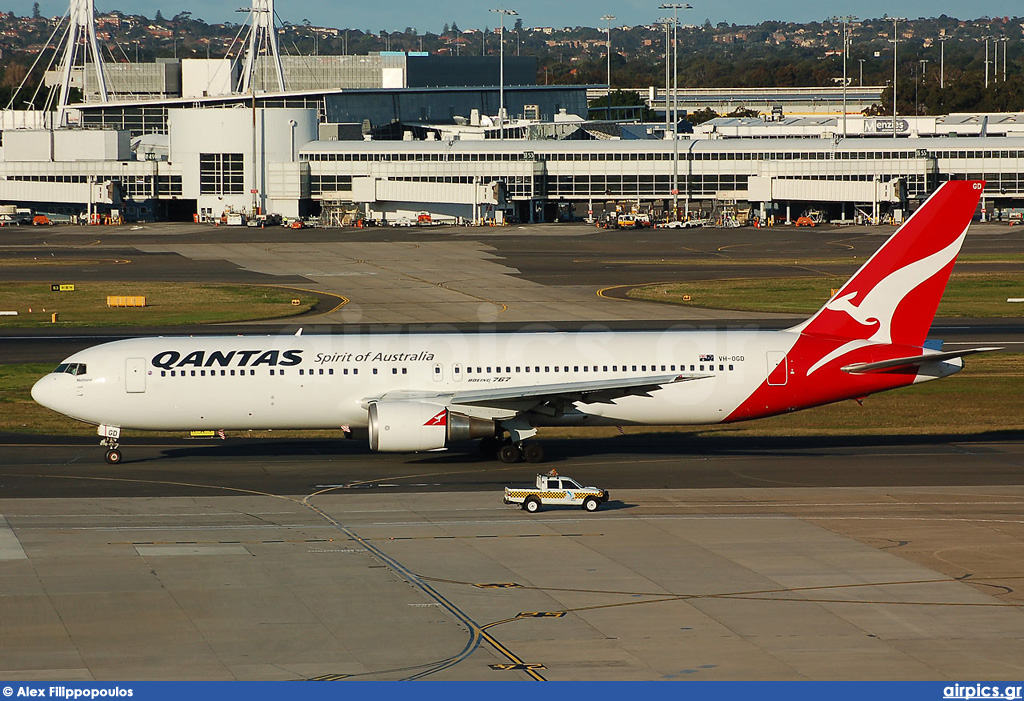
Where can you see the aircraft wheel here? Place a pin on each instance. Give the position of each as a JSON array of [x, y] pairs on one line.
[[510, 453], [533, 452], [113, 456]]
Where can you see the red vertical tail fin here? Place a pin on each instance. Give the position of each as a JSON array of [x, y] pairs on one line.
[[894, 295]]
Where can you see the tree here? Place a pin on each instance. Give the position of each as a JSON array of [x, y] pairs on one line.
[[35, 11], [445, 30], [455, 27], [518, 25], [701, 116], [620, 98], [159, 16]]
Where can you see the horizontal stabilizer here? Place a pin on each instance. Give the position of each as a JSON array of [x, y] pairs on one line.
[[911, 361]]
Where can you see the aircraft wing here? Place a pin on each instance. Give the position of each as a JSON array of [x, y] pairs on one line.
[[910, 361], [525, 398]]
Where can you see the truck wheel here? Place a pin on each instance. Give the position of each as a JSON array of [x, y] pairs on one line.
[[533, 452], [510, 453], [532, 505], [590, 504]]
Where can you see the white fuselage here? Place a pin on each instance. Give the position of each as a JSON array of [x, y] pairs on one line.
[[326, 381]]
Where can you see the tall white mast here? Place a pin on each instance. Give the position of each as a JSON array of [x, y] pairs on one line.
[[262, 34], [82, 30]]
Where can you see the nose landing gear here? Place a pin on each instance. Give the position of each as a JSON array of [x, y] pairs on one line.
[[111, 435]]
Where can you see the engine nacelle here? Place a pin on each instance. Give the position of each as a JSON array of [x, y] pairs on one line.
[[409, 427]]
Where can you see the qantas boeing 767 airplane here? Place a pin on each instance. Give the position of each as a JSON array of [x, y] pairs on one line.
[[426, 392]]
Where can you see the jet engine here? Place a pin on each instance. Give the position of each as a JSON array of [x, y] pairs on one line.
[[408, 427]]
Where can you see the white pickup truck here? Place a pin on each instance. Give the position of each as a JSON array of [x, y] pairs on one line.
[[555, 489]]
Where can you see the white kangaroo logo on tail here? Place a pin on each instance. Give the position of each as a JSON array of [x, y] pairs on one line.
[[880, 303]]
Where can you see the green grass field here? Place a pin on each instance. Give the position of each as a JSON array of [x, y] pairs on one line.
[[986, 396], [167, 304], [968, 294]]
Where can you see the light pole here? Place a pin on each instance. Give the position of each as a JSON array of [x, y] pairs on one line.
[[501, 67], [924, 72], [846, 45], [942, 62], [675, 7], [667, 23], [609, 19], [1003, 40], [895, 45], [861, 61], [986, 38]]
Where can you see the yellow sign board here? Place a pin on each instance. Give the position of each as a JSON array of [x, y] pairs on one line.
[[126, 301], [62, 288]]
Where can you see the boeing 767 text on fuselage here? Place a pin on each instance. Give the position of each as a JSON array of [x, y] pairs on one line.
[[427, 391]]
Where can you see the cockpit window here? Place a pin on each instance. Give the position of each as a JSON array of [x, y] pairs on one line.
[[71, 368]]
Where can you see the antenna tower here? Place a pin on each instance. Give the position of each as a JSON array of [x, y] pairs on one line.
[[81, 40], [262, 39]]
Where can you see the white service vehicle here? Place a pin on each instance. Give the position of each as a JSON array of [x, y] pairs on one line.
[[555, 489]]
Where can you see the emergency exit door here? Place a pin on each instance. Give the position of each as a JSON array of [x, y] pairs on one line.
[[135, 375]]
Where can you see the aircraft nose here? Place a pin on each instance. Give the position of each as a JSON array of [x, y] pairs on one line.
[[44, 392]]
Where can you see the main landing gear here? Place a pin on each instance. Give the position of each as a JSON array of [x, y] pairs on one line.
[[510, 452]]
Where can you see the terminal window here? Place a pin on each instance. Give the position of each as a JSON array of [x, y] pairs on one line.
[[221, 174]]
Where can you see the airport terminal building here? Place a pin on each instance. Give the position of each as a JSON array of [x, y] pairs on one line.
[[216, 160], [410, 136]]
